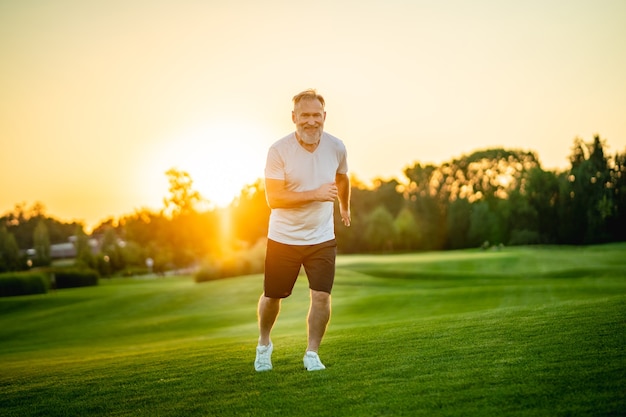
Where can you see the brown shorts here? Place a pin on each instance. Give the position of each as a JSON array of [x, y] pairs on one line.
[[283, 262]]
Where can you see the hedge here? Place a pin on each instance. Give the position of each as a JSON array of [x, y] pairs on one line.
[[23, 283], [72, 278]]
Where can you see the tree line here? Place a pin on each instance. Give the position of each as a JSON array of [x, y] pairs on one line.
[[489, 197], [493, 197]]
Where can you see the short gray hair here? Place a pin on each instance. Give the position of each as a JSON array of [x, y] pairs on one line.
[[310, 94]]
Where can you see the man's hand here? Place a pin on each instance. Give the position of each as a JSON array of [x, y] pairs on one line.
[[327, 192], [345, 216]]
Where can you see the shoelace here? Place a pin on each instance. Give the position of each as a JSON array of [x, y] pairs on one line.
[[316, 361]]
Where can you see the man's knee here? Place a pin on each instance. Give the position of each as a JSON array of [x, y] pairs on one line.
[[268, 302], [320, 298]]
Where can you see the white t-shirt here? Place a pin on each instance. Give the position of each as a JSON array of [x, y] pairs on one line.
[[302, 170]]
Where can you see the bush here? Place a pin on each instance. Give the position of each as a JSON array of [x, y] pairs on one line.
[[222, 269], [524, 237], [23, 283], [72, 278], [247, 261], [207, 273], [131, 271]]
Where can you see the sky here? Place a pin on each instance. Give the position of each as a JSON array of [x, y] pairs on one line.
[[99, 99]]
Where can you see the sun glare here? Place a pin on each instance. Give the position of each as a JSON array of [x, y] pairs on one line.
[[220, 159]]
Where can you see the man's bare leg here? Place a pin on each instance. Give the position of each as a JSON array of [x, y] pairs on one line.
[[267, 313], [318, 318]]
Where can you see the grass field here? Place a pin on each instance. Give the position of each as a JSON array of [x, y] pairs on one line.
[[516, 332]]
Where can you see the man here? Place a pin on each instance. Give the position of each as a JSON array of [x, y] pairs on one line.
[[304, 173]]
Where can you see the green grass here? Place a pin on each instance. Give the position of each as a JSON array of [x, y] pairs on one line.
[[517, 332]]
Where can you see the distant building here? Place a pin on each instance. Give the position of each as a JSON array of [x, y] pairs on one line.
[[66, 250]]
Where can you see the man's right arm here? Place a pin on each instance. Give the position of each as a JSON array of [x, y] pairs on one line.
[[279, 197]]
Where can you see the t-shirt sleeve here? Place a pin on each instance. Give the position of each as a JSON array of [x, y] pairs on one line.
[[274, 167]]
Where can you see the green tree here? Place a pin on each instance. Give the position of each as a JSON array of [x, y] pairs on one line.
[[23, 220], [587, 195], [133, 254], [486, 174], [144, 227], [617, 223], [541, 190], [352, 239], [84, 254], [389, 194], [111, 259], [458, 223], [9, 251], [408, 233], [489, 175], [41, 240], [521, 220], [151, 232], [483, 225], [380, 233]]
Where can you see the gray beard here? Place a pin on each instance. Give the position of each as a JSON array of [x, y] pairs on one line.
[[310, 139]]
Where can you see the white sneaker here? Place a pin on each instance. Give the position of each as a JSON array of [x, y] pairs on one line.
[[263, 361], [312, 362]]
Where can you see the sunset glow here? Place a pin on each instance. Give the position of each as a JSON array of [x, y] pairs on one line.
[[220, 159], [99, 99]]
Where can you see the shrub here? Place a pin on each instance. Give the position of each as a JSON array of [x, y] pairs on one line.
[[247, 261], [23, 283], [524, 237], [131, 271], [207, 273], [72, 278]]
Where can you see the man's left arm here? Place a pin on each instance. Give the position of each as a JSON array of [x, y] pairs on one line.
[[343, 187]]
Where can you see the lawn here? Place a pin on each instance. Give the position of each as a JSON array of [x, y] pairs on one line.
[[529, 331]]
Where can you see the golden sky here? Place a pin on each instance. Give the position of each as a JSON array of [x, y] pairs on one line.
[[99, 98]]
